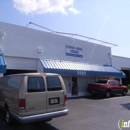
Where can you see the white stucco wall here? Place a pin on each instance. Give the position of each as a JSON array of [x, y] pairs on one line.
[[120, 62], [29, 43]]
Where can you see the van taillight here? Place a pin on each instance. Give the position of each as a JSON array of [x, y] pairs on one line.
[[21, 104], [65, 99]]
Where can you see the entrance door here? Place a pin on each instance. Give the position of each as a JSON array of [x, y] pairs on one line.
[[74, 86]]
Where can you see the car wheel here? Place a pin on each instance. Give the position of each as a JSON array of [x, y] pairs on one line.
[[108, 94], [8, 117], [124, 93]]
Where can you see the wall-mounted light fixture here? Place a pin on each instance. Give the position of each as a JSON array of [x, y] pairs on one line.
[[2, 35], [39, 50]]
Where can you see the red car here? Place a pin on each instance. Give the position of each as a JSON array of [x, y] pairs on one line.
[[107, 87]]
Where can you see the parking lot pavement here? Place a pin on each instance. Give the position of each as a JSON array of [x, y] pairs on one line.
[[84, 114]]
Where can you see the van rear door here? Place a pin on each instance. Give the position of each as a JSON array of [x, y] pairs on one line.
[[35, 95], [55, 93]]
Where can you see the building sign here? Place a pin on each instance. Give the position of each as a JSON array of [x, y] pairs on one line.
[[74, 51]]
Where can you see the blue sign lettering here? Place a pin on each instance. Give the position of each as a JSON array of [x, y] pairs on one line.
[[74, 51], [70, 47], [77, 48]]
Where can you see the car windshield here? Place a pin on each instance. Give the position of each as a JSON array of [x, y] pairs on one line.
[[102, 81]]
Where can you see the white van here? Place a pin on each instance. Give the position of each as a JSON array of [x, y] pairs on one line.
[[33, 97]]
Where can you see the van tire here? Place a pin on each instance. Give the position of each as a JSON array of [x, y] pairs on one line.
[[8, 117]]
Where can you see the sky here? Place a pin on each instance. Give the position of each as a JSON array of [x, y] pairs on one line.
[[105, 20]]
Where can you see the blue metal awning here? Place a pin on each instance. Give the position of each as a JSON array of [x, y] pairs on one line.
[[2, 64], [79, 69]]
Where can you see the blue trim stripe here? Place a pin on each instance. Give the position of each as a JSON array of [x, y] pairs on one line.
[[2, 64]]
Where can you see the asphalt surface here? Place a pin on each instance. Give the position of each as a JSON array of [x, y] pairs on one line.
[[84, 114]]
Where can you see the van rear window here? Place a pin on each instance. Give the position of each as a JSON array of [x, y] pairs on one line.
[[53, 84], [36, 84]]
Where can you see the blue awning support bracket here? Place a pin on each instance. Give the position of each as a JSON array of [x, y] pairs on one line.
[[2, 64], [79, 69]]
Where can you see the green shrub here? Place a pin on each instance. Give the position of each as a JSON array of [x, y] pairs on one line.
[[128, 86]]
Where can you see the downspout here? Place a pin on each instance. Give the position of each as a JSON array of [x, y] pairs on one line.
[[109, 54]]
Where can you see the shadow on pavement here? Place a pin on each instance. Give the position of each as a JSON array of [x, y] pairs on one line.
[[41, 125], [95, 97], [126, 105], [100, 97], [128, 94], [91, 97]]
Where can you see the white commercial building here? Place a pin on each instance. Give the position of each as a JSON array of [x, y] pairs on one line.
[[79, 62], [123, 64]]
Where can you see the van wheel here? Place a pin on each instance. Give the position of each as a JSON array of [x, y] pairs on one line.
[[124, 93], [8, 117], [108, 94]]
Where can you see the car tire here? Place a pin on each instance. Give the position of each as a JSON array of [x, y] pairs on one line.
[[124, 93], [108, 94], [8, 117]]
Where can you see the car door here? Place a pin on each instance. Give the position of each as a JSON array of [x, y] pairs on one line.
[[35, 95], [55, 94], [114, 87], [119, 88]]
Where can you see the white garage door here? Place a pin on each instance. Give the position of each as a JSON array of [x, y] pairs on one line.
[[18, 63]]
